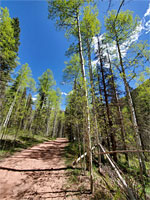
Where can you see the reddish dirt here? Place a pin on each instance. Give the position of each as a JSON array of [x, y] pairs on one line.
[[34, 180]]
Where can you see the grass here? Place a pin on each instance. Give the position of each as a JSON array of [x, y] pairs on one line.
[[71, 153], [132, 174], [111, 189], [23, 141], [101, 188]]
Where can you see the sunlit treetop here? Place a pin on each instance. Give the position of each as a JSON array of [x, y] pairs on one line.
[[121, 26]]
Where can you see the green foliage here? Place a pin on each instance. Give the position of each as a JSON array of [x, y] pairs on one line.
[[7, 40], [90, 25], [71, 152], [24, 78], [120, 27], [28, 120], [141, 98], [65, 13], [24, 140], [47, 117], [15, 24], [46, 82], [72, 70]]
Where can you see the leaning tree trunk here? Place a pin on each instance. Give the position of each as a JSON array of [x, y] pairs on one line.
[[61, 128], [54, 124], [3, 82], [2, 96], [132, 110], [93, 101], [112, 134], [48, 121], [87, 114], [27, 119], [32, 117], [24, 115], [122, 180], [119, 110], [4, 125], [103, 111]]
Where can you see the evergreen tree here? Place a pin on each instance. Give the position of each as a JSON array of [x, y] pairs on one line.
[[9, 42]]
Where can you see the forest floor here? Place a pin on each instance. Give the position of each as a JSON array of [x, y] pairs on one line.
[[40, 172]]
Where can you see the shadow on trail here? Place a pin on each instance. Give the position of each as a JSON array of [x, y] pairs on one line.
[[46, 151], [65, 193], [42, 173], [9, 144], [38, 170]]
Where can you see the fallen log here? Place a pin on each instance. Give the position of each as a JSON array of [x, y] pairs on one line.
[[124, 151], [109, 152], [124, 184], [82, 156]]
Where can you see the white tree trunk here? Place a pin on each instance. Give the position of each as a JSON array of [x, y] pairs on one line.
[[132, 111], [128, 190], [4, 125], [48, 121], [54, 124], [87, 114], [93, 100]]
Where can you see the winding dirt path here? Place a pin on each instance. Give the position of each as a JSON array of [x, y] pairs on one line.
[[34, 180]]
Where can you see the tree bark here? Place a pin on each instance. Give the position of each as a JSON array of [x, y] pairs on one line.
[[119, 109], [128, 190], [54, 124], [132, 111], [103, 111], [4, 125], [61, 129], [112, 135], [48, 121], [3, 82], [87, 114], [93, 99]]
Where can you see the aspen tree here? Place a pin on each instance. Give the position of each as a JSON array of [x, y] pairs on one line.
[[67, 15], [45, 90], [90, 26]]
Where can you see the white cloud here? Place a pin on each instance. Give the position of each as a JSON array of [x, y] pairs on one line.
[[34, 98], [94, 63], [147, 12], [146, 21], [111, 47], [147, 26], [134, 37], [144, 27], [64, 93]]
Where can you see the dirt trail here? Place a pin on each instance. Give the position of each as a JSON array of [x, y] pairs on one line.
[[33, 180]]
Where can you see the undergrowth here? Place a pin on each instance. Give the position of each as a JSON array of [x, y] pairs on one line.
[[105, 187], [23, 140]]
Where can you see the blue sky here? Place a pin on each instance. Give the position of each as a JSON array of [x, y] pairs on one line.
[[42, 46]]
